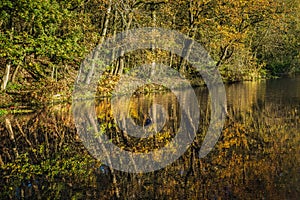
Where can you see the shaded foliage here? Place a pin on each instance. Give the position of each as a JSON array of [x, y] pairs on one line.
[[42, 39]]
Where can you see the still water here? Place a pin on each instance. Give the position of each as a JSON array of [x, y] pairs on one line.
[[257, 155]]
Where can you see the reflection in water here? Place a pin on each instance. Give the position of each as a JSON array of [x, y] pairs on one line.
[[257, 156]]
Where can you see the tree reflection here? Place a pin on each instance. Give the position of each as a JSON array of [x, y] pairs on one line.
[[256, 157]]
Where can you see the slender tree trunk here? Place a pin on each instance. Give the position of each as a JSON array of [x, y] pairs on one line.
[[88, 78], [5, 77], [186, 54], [114, 68], [121, 61], [1, 161], [223, 56], [188, 43], [13, 78], [106, 21], [52, 73]]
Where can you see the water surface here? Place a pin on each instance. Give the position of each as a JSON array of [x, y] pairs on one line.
[[257, 155]]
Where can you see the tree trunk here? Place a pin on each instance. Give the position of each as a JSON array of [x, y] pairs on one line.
[[13, 78], [114, 67], [1, 161], [5, 77], [223, 55], [121, 61], [188, 43], [185, 55], [103, 35]]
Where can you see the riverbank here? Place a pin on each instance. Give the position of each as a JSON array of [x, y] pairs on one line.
[[20, 99]]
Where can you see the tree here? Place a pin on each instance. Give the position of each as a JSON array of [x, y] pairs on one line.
[[41, 37]]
